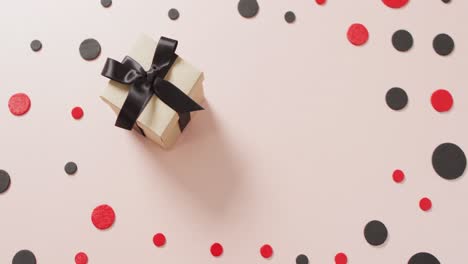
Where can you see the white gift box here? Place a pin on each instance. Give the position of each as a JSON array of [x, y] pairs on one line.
[[158, 121]]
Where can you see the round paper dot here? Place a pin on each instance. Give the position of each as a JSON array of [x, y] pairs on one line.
[[375, 233], [103, 217], [446, 1], [24, 257], [71, 168], [443, 44], [321, 2], [425, 204], [90, 49], [266, 251], [81, 258], [159, 240], [358, 34], [5, 181], [395, 3], [396, 98], [398, 176], [402, 40], [449, 161], [248, 8], [19, 104], [173, 14], [36, 45], [423, 258], [302, 259], [341, 258], [77, 112], [106, 3], [216, 249], [290, 17], [442, 100]]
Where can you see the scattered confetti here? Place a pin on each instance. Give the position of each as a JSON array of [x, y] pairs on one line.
[[248, 8], [24, 257], [159, 240], [266, 251], [396, 98], [442, 100], [36, 45], [77, 112], [395, 3], [425, 204], [443, 44], [398, 176], [103, 217], [321, 2], [173, 14], [449, 161], [302, 259], [90, 49], [216, 249], [402, 40], [5, 181], [81, 258], [290, 17], [375, 233], [341, 258], [106, 3], [19, 104], [71, 168], [358, 34]]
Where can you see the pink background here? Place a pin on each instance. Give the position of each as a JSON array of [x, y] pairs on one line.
[[296, 149]]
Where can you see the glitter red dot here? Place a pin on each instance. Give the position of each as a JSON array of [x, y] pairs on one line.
[[81, 258], [159, 240], [266, 251], [442, 100], [19, 104], [358, 34], [321, 2], [216, 249], [395, 3], [425, 204], [341, 258], [103, 217], [77, 112], [398, 176]]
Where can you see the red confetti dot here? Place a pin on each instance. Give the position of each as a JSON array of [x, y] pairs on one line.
[[425, 204], [81, 258], [216, 249], [398, 176], [442, 100], [358, 34], [103, 217], [19, 104], [395, 3], [341, 258], [321, 2], [159, 240], [77, 112], [266, 251]]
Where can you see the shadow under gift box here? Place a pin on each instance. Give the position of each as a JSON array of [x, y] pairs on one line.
[[158, 121]]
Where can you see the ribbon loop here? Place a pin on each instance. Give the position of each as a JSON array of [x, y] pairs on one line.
[[145, 84]]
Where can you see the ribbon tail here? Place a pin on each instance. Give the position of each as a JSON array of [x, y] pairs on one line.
[[174, 97], [119, 72], [138, 97]]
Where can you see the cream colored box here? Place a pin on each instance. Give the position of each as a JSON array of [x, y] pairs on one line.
[[158, 121]]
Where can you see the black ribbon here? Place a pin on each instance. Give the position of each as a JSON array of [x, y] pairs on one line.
[[144, 84]]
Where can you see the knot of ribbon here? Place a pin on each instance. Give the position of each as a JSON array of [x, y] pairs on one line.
[[144, 84]]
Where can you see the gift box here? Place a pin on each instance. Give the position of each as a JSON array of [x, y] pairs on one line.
[[153, 90]]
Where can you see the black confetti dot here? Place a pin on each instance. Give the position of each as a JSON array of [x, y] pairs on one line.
[[173, 14], [423, 258], [396, 98], [71, 168], [302, 259], [449, 161], [446, 1], [248, 8], [290, 17], [36, 45], [90, 49], [106, 3], [443, 44], [24, 257], [375, 233], [402, 40], [4, 181]]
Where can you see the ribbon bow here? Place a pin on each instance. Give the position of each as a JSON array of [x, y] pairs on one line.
[[145, 84]]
